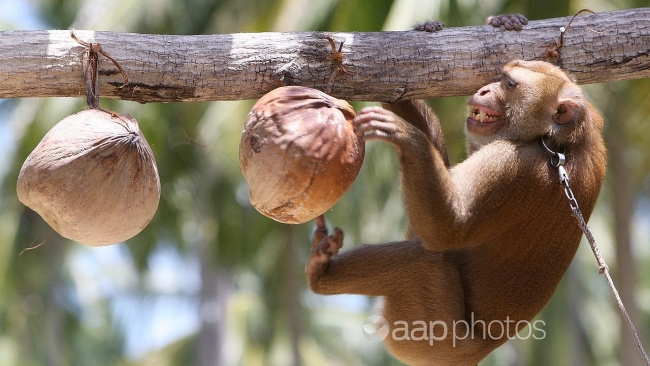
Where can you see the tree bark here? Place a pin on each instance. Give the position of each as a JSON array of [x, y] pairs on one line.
[[382, 66]]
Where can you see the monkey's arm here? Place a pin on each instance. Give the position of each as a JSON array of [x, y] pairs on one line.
[[455, 209], [418, 113], [440, 203]]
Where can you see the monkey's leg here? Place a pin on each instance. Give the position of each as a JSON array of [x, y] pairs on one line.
[[375, 269]]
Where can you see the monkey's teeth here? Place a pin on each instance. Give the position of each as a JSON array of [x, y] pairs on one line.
[[481, 116]]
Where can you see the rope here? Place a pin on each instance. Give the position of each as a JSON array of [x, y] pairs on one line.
[[557, 161]]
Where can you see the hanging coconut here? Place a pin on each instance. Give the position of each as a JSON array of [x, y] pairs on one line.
[[92, 178], [299, 153]]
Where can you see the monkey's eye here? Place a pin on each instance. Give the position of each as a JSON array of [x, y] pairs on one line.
[[509, 83]]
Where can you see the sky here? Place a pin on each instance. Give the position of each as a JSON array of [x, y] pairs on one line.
[[19, 13]]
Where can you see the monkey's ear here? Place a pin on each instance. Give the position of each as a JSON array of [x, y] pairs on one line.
[[567, 111]]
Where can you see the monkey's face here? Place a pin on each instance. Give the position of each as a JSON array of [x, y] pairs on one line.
[[533, 99]]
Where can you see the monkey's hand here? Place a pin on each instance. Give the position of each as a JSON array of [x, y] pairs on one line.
[[429, 26], [376, 123], [324, 246], [508, 21]]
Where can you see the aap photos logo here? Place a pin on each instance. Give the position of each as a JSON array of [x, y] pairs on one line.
[[375, 328]]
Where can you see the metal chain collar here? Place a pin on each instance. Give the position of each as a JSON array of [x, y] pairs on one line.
[[557, 161]]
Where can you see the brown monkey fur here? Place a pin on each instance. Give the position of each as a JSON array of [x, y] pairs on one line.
[[493, 235]]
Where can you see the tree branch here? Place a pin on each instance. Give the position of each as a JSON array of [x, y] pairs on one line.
[[381, 66]]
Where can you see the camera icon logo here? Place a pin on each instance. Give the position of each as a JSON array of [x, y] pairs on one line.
[[375, 328]]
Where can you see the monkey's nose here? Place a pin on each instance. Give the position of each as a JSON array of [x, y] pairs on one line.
[[483, 91]]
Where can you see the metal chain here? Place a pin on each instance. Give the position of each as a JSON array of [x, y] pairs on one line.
[[557, 161]]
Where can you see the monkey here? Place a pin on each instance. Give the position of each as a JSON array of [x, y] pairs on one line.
[[490, 237], [509, 21]]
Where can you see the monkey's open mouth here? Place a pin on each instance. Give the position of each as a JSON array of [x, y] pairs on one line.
[[482, 114]]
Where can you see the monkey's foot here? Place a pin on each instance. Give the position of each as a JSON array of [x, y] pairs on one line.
[[429, 26], [508, 21], [324, 246]]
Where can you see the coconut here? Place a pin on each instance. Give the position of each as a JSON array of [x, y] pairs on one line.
[[299, 153], [92, 178]]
